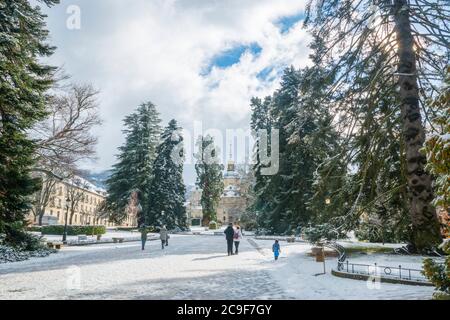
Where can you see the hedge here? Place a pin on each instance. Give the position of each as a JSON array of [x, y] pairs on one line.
[[126, 228], [34, 228], [73, 230]]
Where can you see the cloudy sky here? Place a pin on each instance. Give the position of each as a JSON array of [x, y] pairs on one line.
[[198, 61]]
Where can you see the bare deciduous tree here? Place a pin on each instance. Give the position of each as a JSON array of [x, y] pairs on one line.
[[75, 194], [66, 137]]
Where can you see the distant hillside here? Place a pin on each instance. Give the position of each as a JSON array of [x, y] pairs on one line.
[[97, 178]]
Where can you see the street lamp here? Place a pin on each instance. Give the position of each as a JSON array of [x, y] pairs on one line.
[[64, 239]]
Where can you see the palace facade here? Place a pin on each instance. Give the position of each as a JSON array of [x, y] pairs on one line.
[[231, 205], [86, 213]]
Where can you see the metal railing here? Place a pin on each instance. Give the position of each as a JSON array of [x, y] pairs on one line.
[[340, 249], [399, 272]]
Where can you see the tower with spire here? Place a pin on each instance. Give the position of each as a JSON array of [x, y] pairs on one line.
[[232, 204]]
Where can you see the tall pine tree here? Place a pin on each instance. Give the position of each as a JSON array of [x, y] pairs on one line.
[[133, 171], [408, 43], [166, 194], [23, 82], [306, 140], [209, 177]]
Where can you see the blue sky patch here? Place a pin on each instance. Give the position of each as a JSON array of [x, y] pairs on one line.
[[264, 73], [286, 22], [231, 56]]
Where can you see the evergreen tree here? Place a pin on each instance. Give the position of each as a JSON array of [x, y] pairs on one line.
[[306, 139], [377, 48], [261, 119], [437, 147], [167, 191], [133, 171], [209, 177], [23, 83]]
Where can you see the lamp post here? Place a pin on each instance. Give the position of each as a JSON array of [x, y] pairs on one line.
[[64, 239]]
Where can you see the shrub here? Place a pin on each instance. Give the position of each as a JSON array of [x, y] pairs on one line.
[[213, 225], [151, 229], [34, 228], [321, 232], [249, 220], [382, 234], [439, 274], [126, 228], [17, 237], [74, 230]]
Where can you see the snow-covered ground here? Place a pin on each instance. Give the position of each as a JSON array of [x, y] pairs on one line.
[[206, 231], [296, 273], [191, 267], [107, 236]]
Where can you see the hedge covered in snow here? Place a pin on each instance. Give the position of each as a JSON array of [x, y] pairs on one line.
[[73, 230], [11, 254]]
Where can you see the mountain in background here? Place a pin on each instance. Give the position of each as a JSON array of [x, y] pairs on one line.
[[96, 178], [99, 178]]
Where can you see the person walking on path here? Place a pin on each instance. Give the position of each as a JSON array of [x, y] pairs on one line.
[[276, 249], [237, 237], [164, 236], [144, 232], [229, 235]]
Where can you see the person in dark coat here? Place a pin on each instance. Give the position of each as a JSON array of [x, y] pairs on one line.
[[144, 232], [229, 234]]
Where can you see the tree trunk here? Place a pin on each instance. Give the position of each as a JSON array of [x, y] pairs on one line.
[[206, 221], [425, 224], [72, 212], [41, 214]]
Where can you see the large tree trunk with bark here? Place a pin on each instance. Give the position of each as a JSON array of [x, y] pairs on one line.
[[41, 215], [426, 232]]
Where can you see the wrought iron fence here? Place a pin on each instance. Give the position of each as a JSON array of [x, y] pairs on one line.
[[399, 272]]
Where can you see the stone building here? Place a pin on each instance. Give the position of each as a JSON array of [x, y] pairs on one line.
[[231, 205], [91, 197], [194, 207]]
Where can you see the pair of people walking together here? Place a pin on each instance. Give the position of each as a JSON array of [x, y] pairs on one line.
[[163, 235], [233, 235]]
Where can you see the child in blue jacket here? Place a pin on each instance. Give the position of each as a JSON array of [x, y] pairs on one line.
[[276, 249]]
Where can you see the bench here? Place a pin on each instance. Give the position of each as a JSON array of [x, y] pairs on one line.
[[120, 240], [55, 245]]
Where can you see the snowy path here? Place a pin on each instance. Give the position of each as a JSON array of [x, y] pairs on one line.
[[191, 267], [296, 271]]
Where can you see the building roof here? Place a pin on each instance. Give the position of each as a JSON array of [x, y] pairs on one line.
[[82, 183]]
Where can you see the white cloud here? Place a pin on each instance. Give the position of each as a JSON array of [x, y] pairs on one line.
[[141, 50]]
